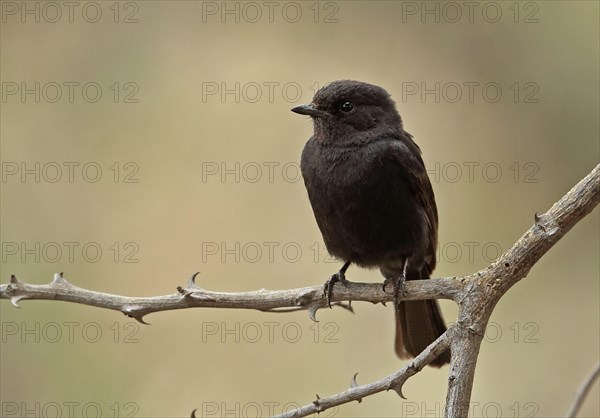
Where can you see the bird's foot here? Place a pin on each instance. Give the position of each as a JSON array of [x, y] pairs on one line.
[[386, 283], [398, 283], [340, 276], [399, 289]]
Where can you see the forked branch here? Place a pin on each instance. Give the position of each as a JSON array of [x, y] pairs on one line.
[[476, 296]]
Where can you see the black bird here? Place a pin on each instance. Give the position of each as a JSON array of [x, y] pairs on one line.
[[372, 199]]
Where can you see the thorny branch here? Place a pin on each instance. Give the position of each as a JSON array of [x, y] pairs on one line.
[[476, 296], [192, 296]]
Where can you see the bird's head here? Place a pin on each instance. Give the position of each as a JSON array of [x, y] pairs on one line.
[[349, 111]]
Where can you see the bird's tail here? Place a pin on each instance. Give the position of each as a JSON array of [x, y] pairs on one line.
[[418, 324]]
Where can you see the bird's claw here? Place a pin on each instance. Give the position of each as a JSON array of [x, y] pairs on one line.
[[340, 276], [398, 283], [399, 288]]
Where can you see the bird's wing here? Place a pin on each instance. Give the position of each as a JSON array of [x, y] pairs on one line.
[[406, 152]]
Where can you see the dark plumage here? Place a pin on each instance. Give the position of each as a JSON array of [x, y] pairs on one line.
[[372, 199]]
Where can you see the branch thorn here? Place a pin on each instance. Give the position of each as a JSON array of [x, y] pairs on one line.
[[317, 403], [130, 311], [59, 279], [15, 301], [397, 387], [192, 283], [312, 311], [353, 384]]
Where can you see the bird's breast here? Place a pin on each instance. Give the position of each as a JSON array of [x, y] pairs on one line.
[[362, 203]]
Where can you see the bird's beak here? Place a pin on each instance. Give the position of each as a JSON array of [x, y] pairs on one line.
[[311, 111]]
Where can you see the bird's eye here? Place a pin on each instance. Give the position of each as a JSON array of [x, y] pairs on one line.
[[346, 107]]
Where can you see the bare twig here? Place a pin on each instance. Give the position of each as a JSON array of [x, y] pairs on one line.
[[394, 382], [582, 392], [192, 296], [476, 296]]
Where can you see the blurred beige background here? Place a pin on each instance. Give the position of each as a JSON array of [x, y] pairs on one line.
[[193, 115]]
